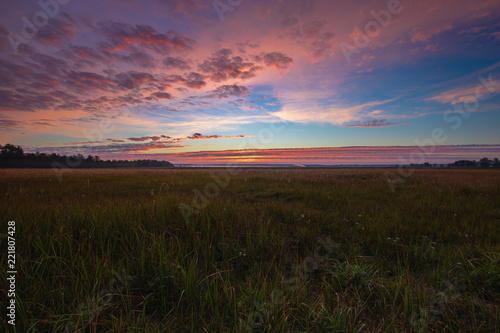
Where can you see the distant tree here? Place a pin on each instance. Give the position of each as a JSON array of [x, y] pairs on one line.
[[484, 162], [11, 151], [463, 164], [496, 163], [14, 157]]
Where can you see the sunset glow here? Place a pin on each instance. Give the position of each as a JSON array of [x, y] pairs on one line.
[[255, 82]]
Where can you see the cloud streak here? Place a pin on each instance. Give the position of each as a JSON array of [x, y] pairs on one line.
[[366, 155], [374, 123]]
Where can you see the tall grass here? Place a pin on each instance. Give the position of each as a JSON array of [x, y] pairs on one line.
[[277, 250]]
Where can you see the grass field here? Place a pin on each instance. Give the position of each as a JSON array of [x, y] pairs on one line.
[[260, 250]]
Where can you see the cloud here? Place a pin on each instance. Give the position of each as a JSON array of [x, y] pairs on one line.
[[326, 114], [3, 37], [197, 11], [277, 60], [288, 22], [195, 80], [242, 47], [161, 140], [91, 57], [496, 35], [161, 95], [118, 67], [147, 138], [169, 139], [374, 123], [43, 123], [9, 125], [314, 37], [199, 136], [134, 80], [139, 59], [85, 54], [223, 66], [24, 100], [179, 63], [468, 94], [43, 82], [83, 82], [431, 47], [473, 30], [117, 148], [360, 155], [424, 34], [125, 37], [53, 66], [226, 91], [115, 140], [131, 145], [58, 30]]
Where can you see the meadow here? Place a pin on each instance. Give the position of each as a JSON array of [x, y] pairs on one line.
[[258, 250]]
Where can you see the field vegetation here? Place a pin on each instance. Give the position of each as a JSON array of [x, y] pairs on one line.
[[267, 250]]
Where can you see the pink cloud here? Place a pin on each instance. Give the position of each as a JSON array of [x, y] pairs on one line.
[[423, 34]]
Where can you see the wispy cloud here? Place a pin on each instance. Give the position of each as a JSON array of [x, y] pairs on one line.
[[393, 155], [132, 144], [468, 94], [375, 123], [336, 115]]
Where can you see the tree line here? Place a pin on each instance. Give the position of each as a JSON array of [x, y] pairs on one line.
[[482, 163], [12, 156]]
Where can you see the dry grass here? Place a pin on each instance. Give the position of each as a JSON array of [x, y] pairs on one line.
[[274, 250]]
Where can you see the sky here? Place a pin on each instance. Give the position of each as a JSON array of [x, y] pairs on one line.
[[251, 81]]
